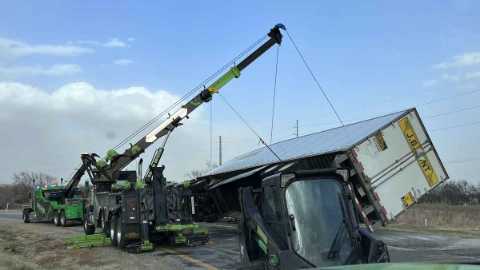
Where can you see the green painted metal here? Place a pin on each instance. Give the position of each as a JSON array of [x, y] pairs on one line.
[[121, 185], [234, 72], [146, 246], [262, 246], [111, 154], [403, 266], [88, 241]]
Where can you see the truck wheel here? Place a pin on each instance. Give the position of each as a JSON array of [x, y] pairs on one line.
[[120, 233], [88, 228], [56, 218], [113, 232], [26, 217], [63, 219]]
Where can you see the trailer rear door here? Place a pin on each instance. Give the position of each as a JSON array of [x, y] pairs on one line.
[[400, 164]]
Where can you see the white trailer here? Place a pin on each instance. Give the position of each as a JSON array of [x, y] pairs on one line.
[[391, 158]]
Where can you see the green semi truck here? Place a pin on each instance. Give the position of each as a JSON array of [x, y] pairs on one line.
[[61, 205]]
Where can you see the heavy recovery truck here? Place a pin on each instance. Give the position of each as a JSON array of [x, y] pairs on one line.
[[136, 212], [304, 219], [60, 204]]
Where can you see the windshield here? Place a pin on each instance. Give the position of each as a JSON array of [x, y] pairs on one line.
[[317, 212]]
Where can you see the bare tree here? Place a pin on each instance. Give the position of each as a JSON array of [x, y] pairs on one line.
[[20, 190]]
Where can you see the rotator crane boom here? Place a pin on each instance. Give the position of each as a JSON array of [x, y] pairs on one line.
[[109, 172]]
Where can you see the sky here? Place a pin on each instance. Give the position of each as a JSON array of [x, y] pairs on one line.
[[80, 77]]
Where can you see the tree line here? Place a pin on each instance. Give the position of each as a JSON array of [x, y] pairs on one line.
[[454, 193], [18, 192]]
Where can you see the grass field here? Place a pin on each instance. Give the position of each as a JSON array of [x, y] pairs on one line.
[[442, 216]]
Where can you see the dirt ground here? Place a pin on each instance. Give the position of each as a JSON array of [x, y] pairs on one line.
[[35, 246]]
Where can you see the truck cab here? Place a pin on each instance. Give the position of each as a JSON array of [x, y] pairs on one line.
[[304, 219]]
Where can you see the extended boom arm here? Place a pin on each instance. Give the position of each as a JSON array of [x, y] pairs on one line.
[[109, 172]]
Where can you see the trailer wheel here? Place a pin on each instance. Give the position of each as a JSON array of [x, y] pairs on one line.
[[113, 232], [56, 219], [26, 217], [88, 228], [63, 219], [120, 234]]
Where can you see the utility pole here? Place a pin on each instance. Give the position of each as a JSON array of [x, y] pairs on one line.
[[219, 150], [296, 129]]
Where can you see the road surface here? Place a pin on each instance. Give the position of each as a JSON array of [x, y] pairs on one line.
[[222, 251]]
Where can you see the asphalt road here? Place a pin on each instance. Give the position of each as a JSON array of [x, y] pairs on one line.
[[222, 251]]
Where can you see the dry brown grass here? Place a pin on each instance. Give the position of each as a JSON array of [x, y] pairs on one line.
[[442, 216]]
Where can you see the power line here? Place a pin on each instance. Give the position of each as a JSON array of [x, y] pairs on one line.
[[189, 93], [456, 126], [249, 127], [461, 161], [447, 97], [452, 112], [274, 94], [314, 78]]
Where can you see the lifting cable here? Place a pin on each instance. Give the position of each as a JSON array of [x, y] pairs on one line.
[[314, 78], [189, 93], [274, 94], [184, 97], [249, 126]]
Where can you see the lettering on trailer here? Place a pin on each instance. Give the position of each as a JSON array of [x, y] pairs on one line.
[[415, 145]]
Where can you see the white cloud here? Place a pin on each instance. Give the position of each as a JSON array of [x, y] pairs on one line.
[[55, 70], [123, 62], [47, 130], [130, 39], [115, 43], [10, 48], [461, 77], [458, 61], [112, 43]]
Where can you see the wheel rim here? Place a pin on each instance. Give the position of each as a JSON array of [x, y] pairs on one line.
[[112, 233], [55, 219], [62, 220], [119, 232]]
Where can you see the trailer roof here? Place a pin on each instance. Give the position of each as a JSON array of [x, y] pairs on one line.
[[328, 141]]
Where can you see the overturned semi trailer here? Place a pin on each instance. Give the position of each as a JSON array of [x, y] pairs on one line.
[[391, 159]]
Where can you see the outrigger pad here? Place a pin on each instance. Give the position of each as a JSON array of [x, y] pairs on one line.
[[88, 241], [139, 247]]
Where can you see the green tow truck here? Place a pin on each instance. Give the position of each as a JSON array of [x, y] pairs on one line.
[[61, 205]]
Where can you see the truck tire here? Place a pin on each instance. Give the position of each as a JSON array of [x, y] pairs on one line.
[[120, 233], [113, 230], [88, 228], [56, 218], [26, 217], [63, 219]]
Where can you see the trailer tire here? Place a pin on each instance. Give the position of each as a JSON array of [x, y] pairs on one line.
[[63, 219], [119, 233], [56, 218], [88, 228], [26, 217]]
